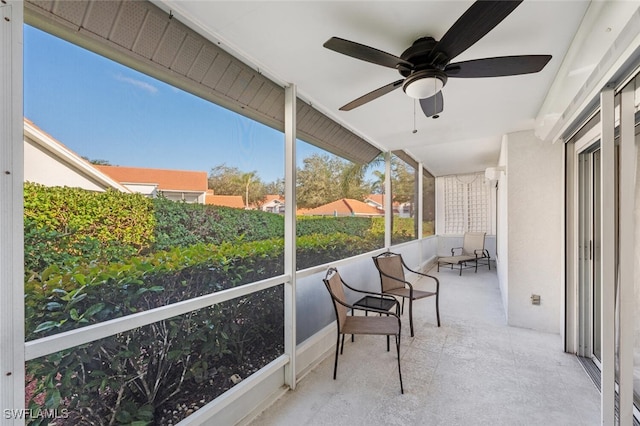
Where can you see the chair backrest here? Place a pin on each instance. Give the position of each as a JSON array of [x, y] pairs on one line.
[[473, 241], [390, 265], [336, 290]]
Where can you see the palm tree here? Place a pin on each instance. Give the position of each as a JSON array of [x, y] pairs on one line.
[[355, 173], [377, 186], [247, 178]]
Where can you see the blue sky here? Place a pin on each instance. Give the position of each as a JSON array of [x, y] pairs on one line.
[[103, 110]]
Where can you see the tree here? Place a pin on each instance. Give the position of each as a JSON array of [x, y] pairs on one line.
[[276, 187], [325, 178], [402, 181], [377, 186], [245, 180], [97, 161], [355, 173], [225, 180]]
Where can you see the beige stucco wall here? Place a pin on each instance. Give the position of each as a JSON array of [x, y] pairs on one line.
[[533, 193]]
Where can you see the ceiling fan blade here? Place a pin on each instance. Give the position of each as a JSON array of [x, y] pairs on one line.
[[372, 95], [498, 67], [433, 105], [475, 23], [366, 53]]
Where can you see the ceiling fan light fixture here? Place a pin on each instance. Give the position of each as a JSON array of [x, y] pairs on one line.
[[424, 84]]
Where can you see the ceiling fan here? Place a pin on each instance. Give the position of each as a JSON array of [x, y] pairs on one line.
[[426, 65]]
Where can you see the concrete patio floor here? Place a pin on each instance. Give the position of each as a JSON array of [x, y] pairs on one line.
[[474, 369]]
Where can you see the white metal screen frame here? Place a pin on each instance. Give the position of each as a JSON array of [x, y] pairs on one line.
[[11, 235]]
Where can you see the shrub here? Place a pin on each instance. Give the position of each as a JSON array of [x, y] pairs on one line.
[[307, 225], [72, 225], [181, 225], [136, 254], [139, 375], [403, 228], [159, 373], [318, 249]]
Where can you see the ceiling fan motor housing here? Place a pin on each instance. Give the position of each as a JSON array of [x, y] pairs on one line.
[[427, 65], [422, 55]]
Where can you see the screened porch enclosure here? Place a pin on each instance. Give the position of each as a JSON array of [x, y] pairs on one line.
[[122, 306]]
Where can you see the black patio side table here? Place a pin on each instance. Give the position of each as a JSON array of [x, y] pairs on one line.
[[375, 303]]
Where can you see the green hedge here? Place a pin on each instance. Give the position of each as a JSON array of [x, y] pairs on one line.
[[71, 225], [92, 257], [194, 355], [105, 216], [181, 225], [308, 225]]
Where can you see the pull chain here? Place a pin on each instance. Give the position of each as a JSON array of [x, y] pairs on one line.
[[414, 118]]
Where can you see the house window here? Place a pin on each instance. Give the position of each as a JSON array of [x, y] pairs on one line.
[[466, 204]]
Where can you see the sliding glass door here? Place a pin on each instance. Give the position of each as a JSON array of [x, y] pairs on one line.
[[589, 261]]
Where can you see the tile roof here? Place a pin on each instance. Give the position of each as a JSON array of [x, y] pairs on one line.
[[344, 207], [167, 180], [379, 199], [225, 200]]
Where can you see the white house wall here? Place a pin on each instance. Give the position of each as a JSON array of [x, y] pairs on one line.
[[43, 168], [534, 197]]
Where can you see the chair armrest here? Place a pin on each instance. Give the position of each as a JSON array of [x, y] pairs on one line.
[[394, 278], [455, 248], [423, 274], [372, 293]]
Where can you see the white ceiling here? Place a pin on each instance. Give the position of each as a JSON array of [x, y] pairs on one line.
[[284, 40]]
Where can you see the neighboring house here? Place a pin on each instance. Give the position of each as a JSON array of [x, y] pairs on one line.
[[177, 185], [343, 207], [235, 201], [50, 163], [403, 210], [273, 203], [377, 201]]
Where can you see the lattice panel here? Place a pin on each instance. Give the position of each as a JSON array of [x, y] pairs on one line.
[[455, 206], [478, 205], [466, 204]]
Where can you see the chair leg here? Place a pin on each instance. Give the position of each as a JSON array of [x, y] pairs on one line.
[[438, 307], [335, 363], [402, 309], [388, 346], [342, 346], [353, 339], [399, 371], [410, 315], [460, 274]]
